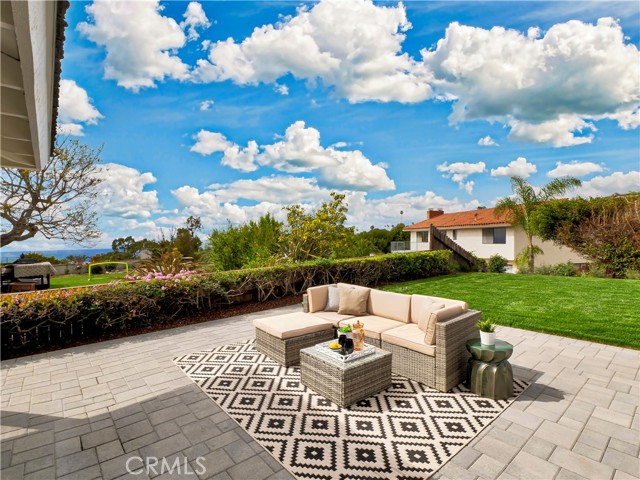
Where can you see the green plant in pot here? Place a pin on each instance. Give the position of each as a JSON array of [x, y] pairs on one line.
[[487, 331]]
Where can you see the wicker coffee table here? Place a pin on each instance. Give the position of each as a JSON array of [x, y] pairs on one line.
[[344, 383]]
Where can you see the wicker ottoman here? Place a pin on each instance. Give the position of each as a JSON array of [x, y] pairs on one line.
[[345, 383], [281, 337]]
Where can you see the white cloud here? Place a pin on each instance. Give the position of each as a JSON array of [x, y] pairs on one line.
[[546, 87], [574, 169], [74, 129], [488, 142], [234, 156], [206, 105], [299, 151], [75, 105], [210, 142], [221, 202], [617, 182], [559, 132], [519, 167], [354, 46], [194, 18], [139, 41], [459, 171], [281, 89], [122, 192]]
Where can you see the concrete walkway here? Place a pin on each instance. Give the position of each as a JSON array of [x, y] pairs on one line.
[[89, 412]]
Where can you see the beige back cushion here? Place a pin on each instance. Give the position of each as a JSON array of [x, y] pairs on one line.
[[418, 301], [395, 306], [440, 316], [318, 297], [427, 310], [353, 300]]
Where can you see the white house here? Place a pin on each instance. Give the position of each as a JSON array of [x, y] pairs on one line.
[[32, 46], [483, 234]]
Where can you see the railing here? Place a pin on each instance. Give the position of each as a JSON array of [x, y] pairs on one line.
[[409, 247], [400, 246], [441, 237]]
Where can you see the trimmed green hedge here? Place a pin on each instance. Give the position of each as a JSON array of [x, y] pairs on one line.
[[55, 318]]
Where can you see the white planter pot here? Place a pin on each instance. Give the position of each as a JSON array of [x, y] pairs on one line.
[[488, 338]]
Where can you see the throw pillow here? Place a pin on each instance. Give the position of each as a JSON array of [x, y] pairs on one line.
[[439, 316], [333, 300], [353, 301], [425, 314]]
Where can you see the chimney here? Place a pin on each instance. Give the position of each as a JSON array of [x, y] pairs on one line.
[[433, 213]]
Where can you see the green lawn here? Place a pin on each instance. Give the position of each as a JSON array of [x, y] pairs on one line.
[[596, 309], [82, 280]]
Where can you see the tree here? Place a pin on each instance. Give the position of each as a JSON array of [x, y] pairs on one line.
[[605, 230], [123, 245], [249, 245], [57, 202], [521, 207], [317, 234]]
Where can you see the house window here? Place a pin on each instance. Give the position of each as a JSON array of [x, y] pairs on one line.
[[423, 237], [454, 234], [494, 235]]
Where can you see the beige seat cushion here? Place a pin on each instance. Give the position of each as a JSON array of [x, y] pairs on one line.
[[353, 300], [427, 310], [439, 316], [396, 306], [411, 337], [334, 317], [374, 325], [292, 325]]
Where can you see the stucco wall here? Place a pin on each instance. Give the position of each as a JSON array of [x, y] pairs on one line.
[[553, 254]]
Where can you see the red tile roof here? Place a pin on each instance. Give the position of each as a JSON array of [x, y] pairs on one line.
[[484, 216]]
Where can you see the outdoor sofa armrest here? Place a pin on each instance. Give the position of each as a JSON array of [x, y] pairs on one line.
[[451, 352]]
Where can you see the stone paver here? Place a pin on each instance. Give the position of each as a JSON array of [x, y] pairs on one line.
[[91, 411]]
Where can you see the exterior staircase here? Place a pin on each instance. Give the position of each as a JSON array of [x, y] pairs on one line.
[[438, 240]]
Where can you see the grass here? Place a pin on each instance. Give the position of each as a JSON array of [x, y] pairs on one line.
[[596, 309], [82, 280]]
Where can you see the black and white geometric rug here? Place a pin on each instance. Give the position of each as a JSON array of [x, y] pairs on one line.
[[406, 432]]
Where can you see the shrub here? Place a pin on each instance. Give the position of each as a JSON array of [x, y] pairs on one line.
[[632, 274], [49, 318], [497, 264], [596, 271], [564, 270], [96, 270]]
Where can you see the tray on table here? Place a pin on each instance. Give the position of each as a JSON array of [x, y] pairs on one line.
[[336, 355]]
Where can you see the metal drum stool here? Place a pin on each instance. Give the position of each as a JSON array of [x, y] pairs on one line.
[[489, 374]]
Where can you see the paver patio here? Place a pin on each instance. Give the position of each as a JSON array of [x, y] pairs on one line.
[[83, 412]]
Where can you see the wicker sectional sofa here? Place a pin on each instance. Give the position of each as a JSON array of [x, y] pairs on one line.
[[391, 323]]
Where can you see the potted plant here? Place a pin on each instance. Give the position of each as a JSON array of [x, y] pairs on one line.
[[487, 332]]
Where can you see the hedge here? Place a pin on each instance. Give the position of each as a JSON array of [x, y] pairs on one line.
[[55, 318]]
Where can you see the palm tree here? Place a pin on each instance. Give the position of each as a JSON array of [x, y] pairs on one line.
[[524, 201]]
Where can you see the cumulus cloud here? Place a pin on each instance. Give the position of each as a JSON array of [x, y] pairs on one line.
[[234, 156], [548, 88], [488, 142], [520, 167], [299, 151], [75, 108], [221, 201], [122, 192], [459, 171], [281, 89], [574, 169], [206, 105], [354, 46], [617, 182], [74, 129], [194, 18], [140, 42]]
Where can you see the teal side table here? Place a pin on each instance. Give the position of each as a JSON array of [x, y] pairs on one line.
[[489, 373]]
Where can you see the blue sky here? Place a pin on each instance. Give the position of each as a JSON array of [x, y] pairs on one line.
[[401, 106]]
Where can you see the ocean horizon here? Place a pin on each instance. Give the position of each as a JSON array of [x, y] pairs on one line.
[[8, 256]]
